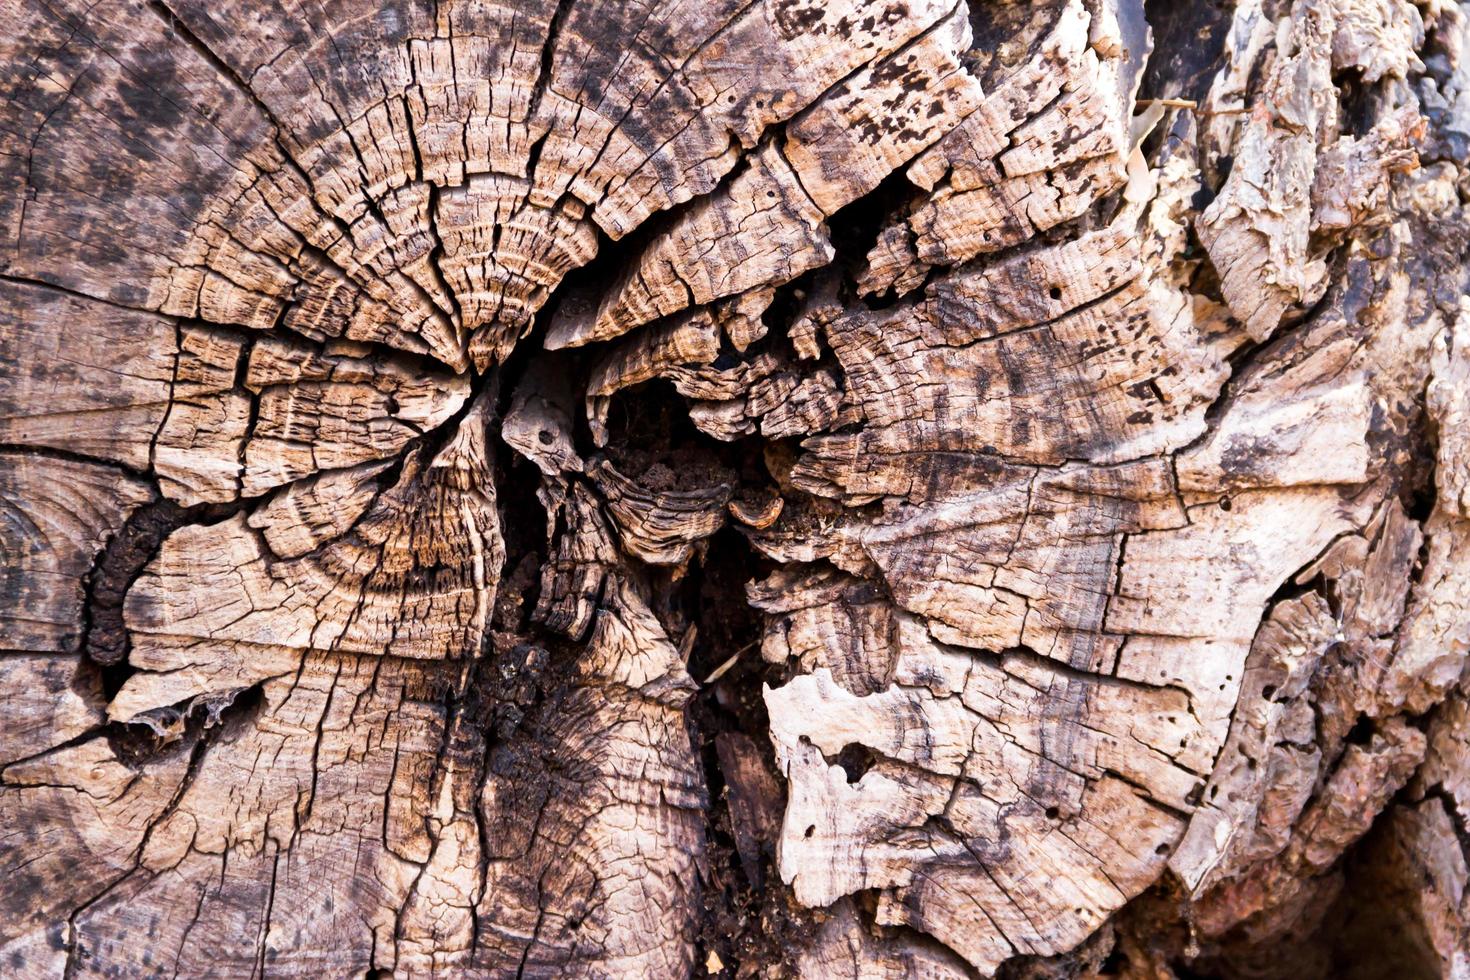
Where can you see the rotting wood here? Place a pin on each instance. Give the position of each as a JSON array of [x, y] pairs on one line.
[[401, 408]]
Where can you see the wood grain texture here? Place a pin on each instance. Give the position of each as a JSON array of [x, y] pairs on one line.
[[759, 488]]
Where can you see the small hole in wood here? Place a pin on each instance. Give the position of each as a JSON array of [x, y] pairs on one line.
[[1268, 691], [855, 761], [1362, 731], [1052, 813], [1225, 503], [1055, 292], [544, 437], [1162, 849], [810, 830]]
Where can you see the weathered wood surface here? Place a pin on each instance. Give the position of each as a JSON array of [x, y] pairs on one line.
[[824, 488]]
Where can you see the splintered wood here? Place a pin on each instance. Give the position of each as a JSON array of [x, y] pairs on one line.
[[1042, 426]]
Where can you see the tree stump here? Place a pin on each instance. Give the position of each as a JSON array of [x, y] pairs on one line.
[[760, 488]]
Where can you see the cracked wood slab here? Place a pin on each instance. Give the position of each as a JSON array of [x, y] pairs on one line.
[[758, 488]]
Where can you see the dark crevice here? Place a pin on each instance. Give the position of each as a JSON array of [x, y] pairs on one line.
[[748, 917], [6, 276], [120, 563], [70, 456], [854, 230], [202, 717]]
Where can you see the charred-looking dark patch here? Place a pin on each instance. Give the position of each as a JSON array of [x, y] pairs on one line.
[[1005, 34], [795, 17], [776, 488], [1189, 47]]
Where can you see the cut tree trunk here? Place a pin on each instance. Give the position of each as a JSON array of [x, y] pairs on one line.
[[823, 488]]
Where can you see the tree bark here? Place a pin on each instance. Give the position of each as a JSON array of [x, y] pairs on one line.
[[760, 488]]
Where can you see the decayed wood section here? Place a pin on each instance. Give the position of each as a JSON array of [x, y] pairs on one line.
[[822, 488]]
